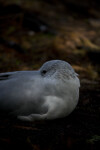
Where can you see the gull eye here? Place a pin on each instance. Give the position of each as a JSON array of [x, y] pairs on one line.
[[44, 72]]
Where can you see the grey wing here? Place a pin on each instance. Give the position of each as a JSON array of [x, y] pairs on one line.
[[4, 76], [21, 93]]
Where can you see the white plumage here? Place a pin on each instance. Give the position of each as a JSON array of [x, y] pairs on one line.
[[49, 93]]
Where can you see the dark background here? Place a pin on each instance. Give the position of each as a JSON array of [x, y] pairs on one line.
[[32, 32]]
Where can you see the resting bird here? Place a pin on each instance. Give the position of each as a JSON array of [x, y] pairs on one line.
[[48, 93]]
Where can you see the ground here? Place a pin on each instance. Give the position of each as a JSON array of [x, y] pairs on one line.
[[34, 32]]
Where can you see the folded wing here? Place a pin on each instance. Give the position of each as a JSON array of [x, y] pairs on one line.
[[21, 93]]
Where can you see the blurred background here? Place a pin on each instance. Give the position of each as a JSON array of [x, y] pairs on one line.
[[35, 31], [32, 32]]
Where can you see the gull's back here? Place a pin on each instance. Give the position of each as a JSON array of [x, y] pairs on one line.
[[19, 93]]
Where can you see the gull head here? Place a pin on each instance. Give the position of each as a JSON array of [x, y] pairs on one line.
[[57, 69]]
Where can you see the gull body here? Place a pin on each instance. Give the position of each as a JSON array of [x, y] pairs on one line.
[[48, 93]]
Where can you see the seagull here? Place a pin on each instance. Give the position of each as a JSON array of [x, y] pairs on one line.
[[45, 94]]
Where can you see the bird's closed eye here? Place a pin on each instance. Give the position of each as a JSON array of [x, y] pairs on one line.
[[44, 72]]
